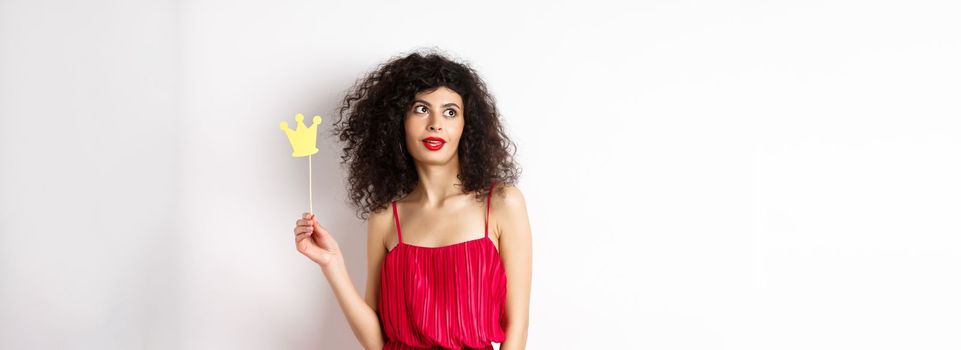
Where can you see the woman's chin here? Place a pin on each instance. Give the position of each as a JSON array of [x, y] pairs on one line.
[[434, 159]]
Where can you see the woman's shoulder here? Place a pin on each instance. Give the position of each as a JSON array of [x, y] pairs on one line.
[[508, 208], [380, 223], [507, 194], [507, 203], [380, 214]]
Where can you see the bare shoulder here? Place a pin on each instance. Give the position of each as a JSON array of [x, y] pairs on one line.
[[508, 208], [508, 197], [379, 224]]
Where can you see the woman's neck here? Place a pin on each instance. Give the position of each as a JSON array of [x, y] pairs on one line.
[[437, 183]]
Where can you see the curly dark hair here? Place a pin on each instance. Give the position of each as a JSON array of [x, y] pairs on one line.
[[371, 125]]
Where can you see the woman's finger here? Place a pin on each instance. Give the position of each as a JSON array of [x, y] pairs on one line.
[[301, 237], [300, 240], [317, 227]]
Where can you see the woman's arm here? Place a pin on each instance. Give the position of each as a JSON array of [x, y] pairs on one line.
[[361, 313], [516, 251], [362, 319]]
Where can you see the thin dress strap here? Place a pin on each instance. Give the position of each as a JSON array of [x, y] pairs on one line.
[[489, 208], [400, 239]]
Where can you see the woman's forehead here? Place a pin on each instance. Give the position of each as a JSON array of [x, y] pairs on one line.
[[441, 95]]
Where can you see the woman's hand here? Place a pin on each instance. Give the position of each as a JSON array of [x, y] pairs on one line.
[[315, 242]]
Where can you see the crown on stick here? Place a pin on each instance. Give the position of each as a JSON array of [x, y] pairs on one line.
[[304, 139]]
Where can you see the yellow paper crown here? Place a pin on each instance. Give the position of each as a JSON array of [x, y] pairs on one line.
[[304, 139]]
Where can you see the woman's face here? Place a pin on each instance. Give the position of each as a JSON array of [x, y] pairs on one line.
[[437, 114]]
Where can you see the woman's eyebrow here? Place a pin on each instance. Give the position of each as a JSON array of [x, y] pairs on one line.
[[445, 105]]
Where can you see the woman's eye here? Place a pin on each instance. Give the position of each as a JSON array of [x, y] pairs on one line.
[[452, 112], [418, 109]]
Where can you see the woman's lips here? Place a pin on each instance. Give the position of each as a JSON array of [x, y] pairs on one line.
[[433, 145]]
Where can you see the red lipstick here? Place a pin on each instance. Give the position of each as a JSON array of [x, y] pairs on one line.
[[433, 143]]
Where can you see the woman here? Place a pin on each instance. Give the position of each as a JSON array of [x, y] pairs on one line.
[[429, 168]]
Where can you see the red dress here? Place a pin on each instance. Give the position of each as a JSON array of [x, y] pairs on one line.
[[449, 297]]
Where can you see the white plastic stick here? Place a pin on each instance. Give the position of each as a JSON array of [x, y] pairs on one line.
[[310, 186]]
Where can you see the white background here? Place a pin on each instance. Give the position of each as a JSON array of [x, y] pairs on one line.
[[698, 174]]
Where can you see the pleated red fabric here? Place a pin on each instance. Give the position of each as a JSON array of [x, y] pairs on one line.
[[449, 297]]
